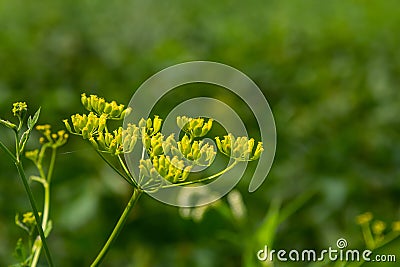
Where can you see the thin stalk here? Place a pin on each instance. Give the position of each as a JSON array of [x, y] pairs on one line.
[[46, 205], [35, 211], [369, 239], [131, 176], [8, 152], [114, 168], [46, 208], [204, 179], [118, 227]]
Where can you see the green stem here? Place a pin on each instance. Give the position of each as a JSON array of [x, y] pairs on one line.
[[131, 176], [118, 227], [46, 206], [35, 211], [369, 239], [17, 152], [113, 167], [8, 152], [204, 179]]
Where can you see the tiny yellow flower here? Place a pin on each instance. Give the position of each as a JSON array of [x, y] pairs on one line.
[[396, 226], [364, 218], [378, 227], [19, 108], [32, 155], [43, 127], [28, 218]]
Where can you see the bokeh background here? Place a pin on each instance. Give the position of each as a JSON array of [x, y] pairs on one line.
[[329, 69]]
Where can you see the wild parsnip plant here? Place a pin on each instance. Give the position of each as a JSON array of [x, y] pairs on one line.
[[169, 161], [30, 220], [50, 142]]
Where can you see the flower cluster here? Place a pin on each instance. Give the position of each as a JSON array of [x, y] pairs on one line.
[[27, 222], [49, 139], [241, 148], [194, 127], [118, 142], [86, 125], [197, 151], [172, 170], [93, 126], [376, 232], [168, 158], [112, 110], [19, 108], [58, 139], [150, 127]]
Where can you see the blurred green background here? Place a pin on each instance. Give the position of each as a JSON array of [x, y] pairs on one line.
[[329, 69]]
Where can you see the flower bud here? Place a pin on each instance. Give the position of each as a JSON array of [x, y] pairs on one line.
[[108, 108], [115, 112], [182, 122], [101, 106], [85, 133], [93, 142], [148, 123], [143, 170], [108, 137], [258, 151], [126, 112], [67, 125], [93, 101], [156, 124], [85, 102], [32, 155], [158, 150], [102, 122], [101, 141], [113, 147]]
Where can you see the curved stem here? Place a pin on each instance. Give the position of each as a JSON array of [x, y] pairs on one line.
[[35, 211], [203, 179], [118, 227], [46, 205]]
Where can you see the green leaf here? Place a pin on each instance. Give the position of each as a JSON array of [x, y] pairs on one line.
[[48, 229], [20, 252], [33, 121], [8, 124]]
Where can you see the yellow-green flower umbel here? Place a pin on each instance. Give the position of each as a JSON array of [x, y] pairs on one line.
[[240, 148], [194, 127]]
